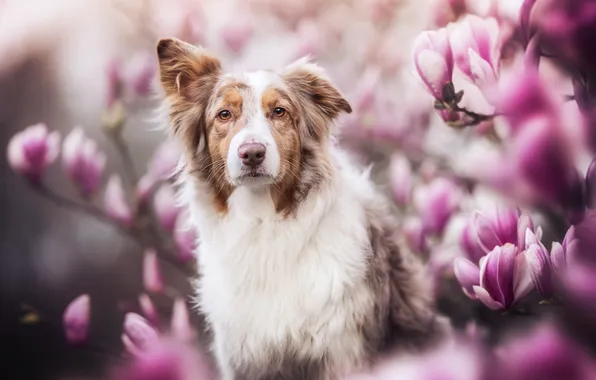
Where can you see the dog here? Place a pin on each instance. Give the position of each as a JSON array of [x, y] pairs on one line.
[[301, 274]]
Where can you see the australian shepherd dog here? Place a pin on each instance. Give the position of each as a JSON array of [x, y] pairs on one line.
[[301, 274]]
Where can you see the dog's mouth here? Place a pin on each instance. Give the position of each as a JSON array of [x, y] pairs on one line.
[[255, 177]]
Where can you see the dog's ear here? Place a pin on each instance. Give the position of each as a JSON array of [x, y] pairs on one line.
[[188, 76], [321, 100], [184, 69]]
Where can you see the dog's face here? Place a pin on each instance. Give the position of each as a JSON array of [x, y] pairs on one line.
[[249, 129]]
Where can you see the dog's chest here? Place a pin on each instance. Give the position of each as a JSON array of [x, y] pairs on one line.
[[270, 285]]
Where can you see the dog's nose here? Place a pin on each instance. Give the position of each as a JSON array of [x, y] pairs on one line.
[[252, 154]]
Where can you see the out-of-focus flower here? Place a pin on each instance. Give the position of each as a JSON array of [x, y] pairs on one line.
[[566, 30], [543, 354], [152, 279], [76, 319], [524, 20], [32, 150], [468, 275], [414, 234], [309, 39], [181, 328], [591, 185], [114, 82], [504, 278], [544, 160], [167, 359], [446, 11], [401, 179], [140, 77], [452, 360], [115, 201], [365, 97], [433, 60], [166, 209], [186, 242], [236, 34], [138, 335], [541, 153], [539, 265], [162, 166], [148, 309], [475, 45], [436, 203], [83, 163]]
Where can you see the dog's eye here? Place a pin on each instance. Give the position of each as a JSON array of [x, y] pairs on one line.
[[278, 111], [224, 115]]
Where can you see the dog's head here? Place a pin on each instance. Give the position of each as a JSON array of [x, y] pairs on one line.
[[255, 129]]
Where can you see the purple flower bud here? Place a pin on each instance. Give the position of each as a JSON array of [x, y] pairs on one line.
[[468, 275], [32, 150], [236, 35], [166, 208], [115, 201], [497, 228], [558, 257], [114, 82], [415, 235], [436, 203], [401, 179], [181, 328], [145, 187], [164, 161], [144, 70], [148, 309], [504, 278], [76, 319], [83, 163], [434, 60], [524, 224], [138, 335], [186, 242], [539, 265], [542, 153], [474, 41], [152, 278]]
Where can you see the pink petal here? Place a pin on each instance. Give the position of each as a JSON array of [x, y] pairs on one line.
[[76, 319], [152, 278], [180, 325], [484, 297], [115, 202]]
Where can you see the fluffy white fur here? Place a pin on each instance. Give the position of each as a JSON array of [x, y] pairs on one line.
[[270, 283]]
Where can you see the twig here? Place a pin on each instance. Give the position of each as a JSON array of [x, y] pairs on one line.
[[127, 161], [136, 235]]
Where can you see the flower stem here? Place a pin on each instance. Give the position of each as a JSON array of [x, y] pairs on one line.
[[127, 161], [134, 234]]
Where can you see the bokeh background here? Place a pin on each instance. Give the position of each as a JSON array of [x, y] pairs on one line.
[[64, 62]]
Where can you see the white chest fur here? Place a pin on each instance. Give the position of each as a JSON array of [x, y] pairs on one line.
[[272, 285]]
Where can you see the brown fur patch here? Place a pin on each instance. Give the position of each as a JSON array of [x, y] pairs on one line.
[[188, 76], [285, 131]]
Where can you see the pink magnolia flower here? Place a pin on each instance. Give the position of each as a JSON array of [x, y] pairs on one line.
[[414, 234], [139, 77], [181, 329], [32, 150], [115, 202], [138, 335], [76, 319], [502, 225], [435, 204], [476, 50], [469, 241], [236, 34], [166, 208], [162, 166], [114, 82], [83, 163], [152, 278], [433, 60], [401, 179], [446, 11], [503, 277]]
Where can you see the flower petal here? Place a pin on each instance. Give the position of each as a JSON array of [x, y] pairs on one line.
[[484, 297]]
